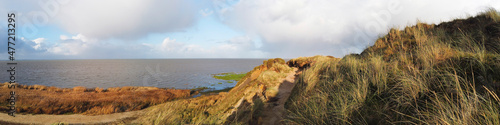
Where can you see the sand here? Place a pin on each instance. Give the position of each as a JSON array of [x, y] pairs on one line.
[[115, 118], [273, 114]]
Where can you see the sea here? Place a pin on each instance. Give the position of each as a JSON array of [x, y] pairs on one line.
[[106, 73]]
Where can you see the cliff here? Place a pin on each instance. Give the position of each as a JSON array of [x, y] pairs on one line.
[[242, 104]]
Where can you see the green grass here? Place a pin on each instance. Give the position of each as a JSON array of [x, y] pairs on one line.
[[425, 74], [229, 76]]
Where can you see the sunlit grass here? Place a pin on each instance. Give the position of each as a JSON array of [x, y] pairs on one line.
[[425, 74], [38, 99]]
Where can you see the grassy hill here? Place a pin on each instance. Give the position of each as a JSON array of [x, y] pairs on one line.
[[424, 74], [240, 105]]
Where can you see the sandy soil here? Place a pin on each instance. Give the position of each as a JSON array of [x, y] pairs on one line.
[[115, 118], [274, 112]]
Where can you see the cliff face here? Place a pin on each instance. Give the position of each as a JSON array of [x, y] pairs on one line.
[[424, 74]]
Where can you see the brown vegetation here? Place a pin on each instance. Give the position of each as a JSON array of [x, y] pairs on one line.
[[241, 105], [423, 74], [39, 99], [305, 62]]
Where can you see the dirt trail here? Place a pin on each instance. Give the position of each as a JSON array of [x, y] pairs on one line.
[[115, 118], [274, 112]]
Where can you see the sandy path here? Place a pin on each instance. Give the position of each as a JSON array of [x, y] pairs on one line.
[[274, 112], [115, 118]]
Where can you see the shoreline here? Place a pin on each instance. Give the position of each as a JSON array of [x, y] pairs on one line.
[[267, 87], [85, 95]]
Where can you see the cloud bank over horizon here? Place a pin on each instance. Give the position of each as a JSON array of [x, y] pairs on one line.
[[113, 29]]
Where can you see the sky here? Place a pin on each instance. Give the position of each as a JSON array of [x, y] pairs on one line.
[[163, 29]]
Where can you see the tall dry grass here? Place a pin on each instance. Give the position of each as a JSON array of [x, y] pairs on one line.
[[38, 99], [425, 74]]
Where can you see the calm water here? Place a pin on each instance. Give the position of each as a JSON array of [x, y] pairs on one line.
[[163, 73]]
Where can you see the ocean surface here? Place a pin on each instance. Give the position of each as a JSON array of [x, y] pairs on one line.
[[163, 73]]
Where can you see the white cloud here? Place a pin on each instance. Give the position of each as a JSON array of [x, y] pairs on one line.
[[206, 12], [237, 47], [63, 37], [291, 28], [171, 45], [172, 48], [272, 28], [38, 43], [75, 45], [126, 19]]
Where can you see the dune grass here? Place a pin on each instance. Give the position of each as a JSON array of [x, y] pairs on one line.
[[229, 76], [39, 99], [425, 74], [221, 108]]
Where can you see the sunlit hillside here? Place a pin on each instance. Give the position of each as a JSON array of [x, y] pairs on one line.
[[424, 74]]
